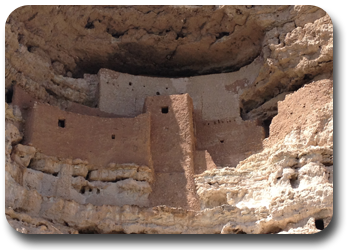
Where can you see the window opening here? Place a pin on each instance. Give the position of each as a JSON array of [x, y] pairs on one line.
[[165, 110], [62, 123]]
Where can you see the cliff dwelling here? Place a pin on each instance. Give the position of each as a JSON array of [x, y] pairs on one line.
[[173, 127], [169, 119]]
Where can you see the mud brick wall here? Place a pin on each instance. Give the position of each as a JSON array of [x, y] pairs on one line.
[[25, 102], [172, 147], [99, 140], [229, 141], [125, 94]]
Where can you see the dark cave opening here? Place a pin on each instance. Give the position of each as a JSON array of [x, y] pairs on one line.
[[148, 62], [249, 106], [9, 95], [319, 224], [89, 230], [89, 25], [264, 106], [222, 34]]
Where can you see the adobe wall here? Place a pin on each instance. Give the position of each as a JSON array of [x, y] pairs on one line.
[[294, 113], [172, 148], [98, 140], [215, 98], [124, 94], [229, 141], [25, 102], [85, 110], [203, 161]]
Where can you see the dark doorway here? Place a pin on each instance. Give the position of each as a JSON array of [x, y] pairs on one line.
[[266, 125]]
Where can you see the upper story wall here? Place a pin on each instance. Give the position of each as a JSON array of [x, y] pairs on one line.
[[214, 96], [25, 102], [98, 140]]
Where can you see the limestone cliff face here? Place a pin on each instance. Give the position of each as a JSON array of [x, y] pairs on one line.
[[290, 180], [285, 187]]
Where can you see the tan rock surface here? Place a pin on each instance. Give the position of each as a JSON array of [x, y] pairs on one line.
[[280, 60]]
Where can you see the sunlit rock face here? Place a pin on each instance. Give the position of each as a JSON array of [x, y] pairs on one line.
[[169, 119]]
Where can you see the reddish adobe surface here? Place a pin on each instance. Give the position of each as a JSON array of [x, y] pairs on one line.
[[99, 140], [172, 146], [25, 102], [293, 112], [203, 161], [163, 138], [228, 141]]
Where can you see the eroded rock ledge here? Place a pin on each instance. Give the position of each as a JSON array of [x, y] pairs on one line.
[[281, 64]]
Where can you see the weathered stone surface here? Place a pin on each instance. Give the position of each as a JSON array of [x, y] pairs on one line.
[[309, 228], [293, 56], [122, 171], [26, 224], [291, 179], [272, 64], [22, 154]]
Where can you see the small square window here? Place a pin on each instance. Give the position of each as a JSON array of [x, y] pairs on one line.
[[61, 123], [113, 137], [165, 110]]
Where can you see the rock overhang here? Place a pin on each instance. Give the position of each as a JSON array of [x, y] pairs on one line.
[[162, 41]]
